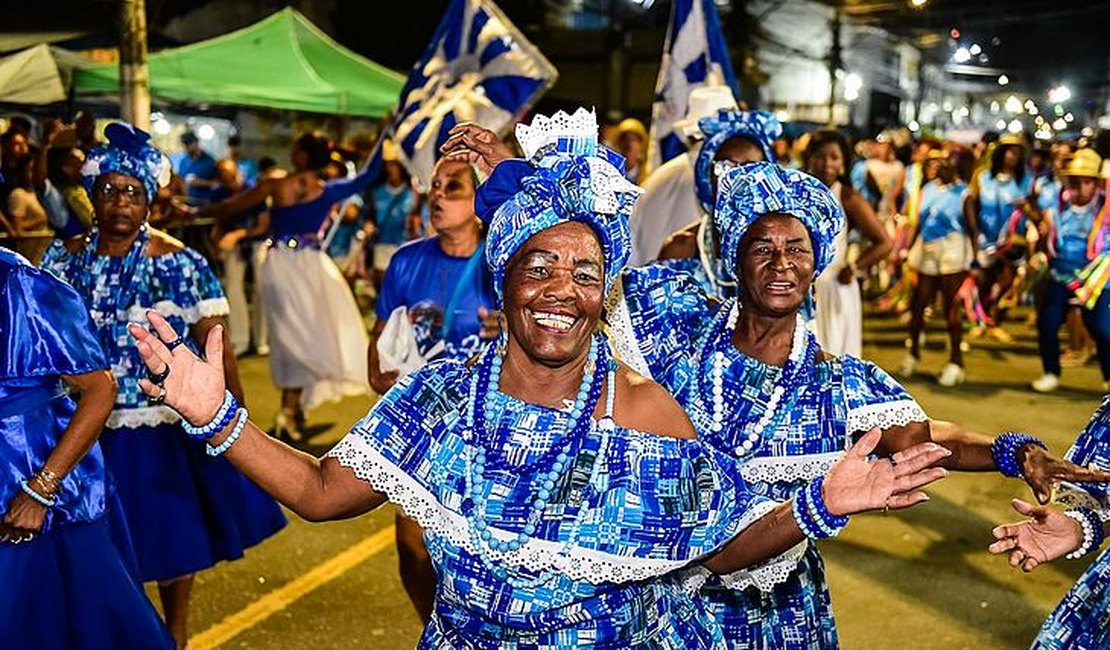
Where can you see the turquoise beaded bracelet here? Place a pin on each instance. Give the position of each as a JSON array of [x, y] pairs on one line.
[[223, 418], [243, 415], [48, 502]]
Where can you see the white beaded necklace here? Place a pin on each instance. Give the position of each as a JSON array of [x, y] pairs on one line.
[[755, 431]]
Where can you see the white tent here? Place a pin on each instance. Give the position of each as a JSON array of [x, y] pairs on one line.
[[31, 77]]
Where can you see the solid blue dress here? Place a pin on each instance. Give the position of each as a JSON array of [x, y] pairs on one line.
[[70, 587], [1082, 619], [184, 510]]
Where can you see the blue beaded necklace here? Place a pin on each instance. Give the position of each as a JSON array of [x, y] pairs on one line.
[[584, 464]]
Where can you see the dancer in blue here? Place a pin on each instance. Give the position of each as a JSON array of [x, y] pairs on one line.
[[184, 512], [317, 337], [54, 495], [561, 493], [1082, 619]]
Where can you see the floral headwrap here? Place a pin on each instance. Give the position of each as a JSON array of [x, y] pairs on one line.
[[128, 152], [744, 194], [761, 127], [566, 176]]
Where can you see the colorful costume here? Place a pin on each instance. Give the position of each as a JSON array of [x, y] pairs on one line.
[[71, 586], [185, 512], [550, 529], [1082, 619]]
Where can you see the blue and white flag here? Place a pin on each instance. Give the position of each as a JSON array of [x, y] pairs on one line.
[[478, 68], [694, 55]]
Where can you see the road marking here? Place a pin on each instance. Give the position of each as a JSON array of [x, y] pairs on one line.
[[282, 597]]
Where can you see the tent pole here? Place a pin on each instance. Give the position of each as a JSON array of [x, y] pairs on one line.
[[133, 76]]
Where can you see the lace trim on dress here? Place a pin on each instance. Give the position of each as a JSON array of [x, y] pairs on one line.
[[885, 415], [536, 555], [192, 314], [1073, 496], [622, 335], [147, 416], [764, 576], [786, 469]]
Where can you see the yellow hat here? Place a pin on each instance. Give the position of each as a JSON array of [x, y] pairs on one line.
[[1084, 162], [1011, 139], [936, 154], [390, 152], [632, 125]]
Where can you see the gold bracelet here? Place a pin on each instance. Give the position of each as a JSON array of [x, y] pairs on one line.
[[48, 480]]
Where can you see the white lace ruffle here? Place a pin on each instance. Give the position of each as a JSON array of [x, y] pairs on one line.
[[1073, 496], [147, 416], [544, 130], [776, 469], [622, 335], [576, 563], [885, 415], [203, 309]]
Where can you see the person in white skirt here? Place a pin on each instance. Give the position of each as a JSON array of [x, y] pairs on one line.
[[838, 318], [317, 336]]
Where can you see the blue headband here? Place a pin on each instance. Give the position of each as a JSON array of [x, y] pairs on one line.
[[567, 178], [761, 127], [130, 153], [746, 193]]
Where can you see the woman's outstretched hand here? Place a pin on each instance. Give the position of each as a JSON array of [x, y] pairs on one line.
[[476, 145], [1047, 535], [194, 387], [857, 484], [1042, 471]]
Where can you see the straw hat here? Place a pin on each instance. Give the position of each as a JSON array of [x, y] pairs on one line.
[[705, 101], [1085, 163], [390, 152], [1012, 139], [634, 126]]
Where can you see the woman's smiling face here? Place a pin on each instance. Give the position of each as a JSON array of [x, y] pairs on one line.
[[776, 265], [554, 293]]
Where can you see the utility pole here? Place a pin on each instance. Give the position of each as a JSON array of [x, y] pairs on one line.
[[134, 87], [835, 64]]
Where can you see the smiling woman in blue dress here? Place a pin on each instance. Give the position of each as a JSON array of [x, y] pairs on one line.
[[559, 491]]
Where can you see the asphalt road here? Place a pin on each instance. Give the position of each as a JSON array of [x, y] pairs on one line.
[[919, 579]]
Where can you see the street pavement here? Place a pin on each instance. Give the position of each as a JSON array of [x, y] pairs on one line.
[[918, 579]]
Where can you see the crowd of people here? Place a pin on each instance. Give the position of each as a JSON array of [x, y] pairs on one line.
[[618, 406]]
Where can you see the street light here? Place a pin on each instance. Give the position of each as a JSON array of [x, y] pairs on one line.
[[1013, 104], [852, 85], [1014, 126], [975, 49], [1060, 124], [1000, 124], [1059, 94], [918, 4], [962, 55], [1003, 80]]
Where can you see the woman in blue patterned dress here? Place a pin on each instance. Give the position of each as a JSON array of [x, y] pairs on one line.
[[560, 493], [66, 585], [1082, 619], [183, 513]]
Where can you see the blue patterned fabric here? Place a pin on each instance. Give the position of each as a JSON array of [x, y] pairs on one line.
[[751, 191], [599, 568], [119, 290], [835, 401], [574, 179], [130, 153], [1082, 619], [760, 127]]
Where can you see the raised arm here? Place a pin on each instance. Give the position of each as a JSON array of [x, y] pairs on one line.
[[239, 202], [315, 489]]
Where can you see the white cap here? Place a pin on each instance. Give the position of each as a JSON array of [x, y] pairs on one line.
[[704, 102]]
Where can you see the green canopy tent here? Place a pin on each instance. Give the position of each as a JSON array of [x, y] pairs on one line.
[[282, 62]]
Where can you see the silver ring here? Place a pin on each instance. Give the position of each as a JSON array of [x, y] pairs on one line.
[[160, 397]]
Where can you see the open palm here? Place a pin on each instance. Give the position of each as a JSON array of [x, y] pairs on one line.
[[1048, 534], [857, 484], [195, 387]]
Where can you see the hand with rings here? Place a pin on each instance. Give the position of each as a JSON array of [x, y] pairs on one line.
[[476, 145], [1047, 535], [190, 385]]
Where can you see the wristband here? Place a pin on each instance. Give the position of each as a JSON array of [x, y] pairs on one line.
[[232, 437], [49, 502], [223, 418], [1093, 534], [1005, 449]]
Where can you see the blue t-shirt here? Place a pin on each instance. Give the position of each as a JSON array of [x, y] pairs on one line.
[[1072, 229], [203, 167], [942, 210], [1048, 191], [996, 204], [392, 206], [423, 278]]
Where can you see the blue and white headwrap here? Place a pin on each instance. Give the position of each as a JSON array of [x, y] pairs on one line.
[[761, 127], [127, 152], [744, 194], [565, 176]]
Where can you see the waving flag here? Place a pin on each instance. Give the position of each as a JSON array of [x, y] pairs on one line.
[[478, 68], [694, 54]]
